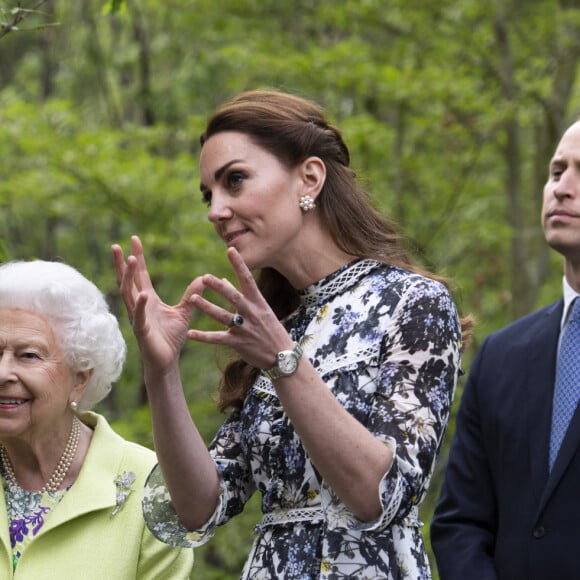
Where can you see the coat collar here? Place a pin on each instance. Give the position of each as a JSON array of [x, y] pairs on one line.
[[94, 488]]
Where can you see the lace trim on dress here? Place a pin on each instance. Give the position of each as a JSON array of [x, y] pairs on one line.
[[265, 385], [312, 515], [349, 359], [337, 282]]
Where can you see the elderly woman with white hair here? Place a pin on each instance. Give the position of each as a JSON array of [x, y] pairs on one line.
[[71, 501]]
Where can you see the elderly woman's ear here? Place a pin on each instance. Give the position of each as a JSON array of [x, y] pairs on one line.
[[83, 378]]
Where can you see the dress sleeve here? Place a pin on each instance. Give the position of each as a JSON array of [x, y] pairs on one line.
[[415, 380], [236, 487]]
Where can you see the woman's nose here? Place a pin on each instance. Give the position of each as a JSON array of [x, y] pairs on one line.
[[219, 209], [6, 367]]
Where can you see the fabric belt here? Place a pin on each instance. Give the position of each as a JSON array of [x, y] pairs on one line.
[[291, 516], [314, 515]]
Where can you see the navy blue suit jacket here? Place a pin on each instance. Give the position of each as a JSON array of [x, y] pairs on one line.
[[501, 513]]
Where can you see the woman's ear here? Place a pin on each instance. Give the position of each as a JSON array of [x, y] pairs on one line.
[[82, 379], [313, 172]]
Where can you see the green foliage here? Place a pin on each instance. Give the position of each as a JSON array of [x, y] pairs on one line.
[[100, 119], [12, 17]]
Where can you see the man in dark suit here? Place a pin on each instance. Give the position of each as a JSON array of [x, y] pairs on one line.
[[510, 509]]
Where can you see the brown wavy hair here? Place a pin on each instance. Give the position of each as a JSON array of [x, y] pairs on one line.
[[292, 129]]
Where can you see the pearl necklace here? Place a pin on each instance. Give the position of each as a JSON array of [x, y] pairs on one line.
[[62, 468]]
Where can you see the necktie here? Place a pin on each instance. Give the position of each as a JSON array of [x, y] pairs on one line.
[[567, 387]]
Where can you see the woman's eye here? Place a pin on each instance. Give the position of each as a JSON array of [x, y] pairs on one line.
[[29, 355], [235, 179], [206, 197]]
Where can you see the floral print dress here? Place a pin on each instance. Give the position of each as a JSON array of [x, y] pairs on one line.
[[27, 512], [387, 343]]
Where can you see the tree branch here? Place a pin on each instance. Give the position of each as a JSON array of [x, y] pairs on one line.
[[18, 15]]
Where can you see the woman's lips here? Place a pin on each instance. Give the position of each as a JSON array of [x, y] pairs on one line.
[[12, 402], [231, 237]]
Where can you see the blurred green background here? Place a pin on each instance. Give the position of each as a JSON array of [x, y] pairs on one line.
[[451, 110]]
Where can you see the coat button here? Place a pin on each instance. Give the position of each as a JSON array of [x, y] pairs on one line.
[[539, 532]]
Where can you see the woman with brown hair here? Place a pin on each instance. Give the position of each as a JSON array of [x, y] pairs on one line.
[[347, 358]]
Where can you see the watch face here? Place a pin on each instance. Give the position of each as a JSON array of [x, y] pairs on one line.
[[287, 362]]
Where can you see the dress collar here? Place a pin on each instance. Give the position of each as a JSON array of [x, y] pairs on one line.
[[337, 282]]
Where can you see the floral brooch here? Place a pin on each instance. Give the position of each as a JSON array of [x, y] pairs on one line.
[[124, 487]]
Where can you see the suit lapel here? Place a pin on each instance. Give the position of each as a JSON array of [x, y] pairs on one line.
[[567, 451], [541, 367]]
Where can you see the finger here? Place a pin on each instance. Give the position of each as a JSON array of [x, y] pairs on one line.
[[224, 288], [139, 322], [119, 262], [141, 277], [223, 337], [127, 287], [248, 285], [194, 288], [219, 314], [124, 272]]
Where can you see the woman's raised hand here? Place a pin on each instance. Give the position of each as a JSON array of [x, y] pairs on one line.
[[161, 330], [260, 336]]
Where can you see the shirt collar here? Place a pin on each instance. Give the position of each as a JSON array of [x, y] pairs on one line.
[[569, 295]]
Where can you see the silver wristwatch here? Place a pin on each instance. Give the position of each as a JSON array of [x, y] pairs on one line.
[[286, 363]]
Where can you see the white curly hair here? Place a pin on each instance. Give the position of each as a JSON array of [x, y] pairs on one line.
[[77, 311]]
